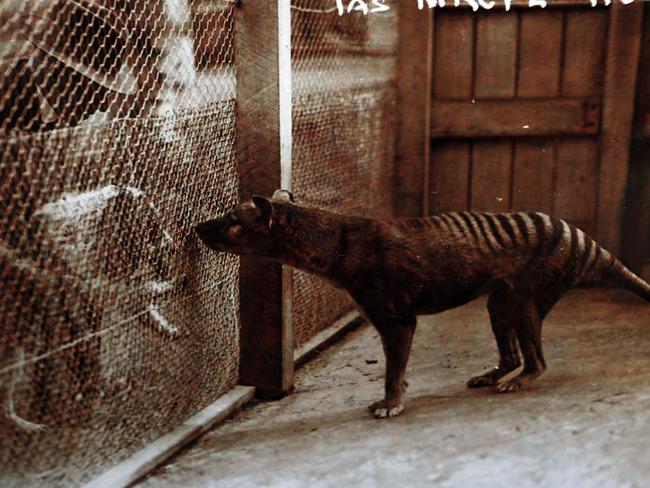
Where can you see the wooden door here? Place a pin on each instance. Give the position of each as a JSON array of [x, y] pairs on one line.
[[531, 110]]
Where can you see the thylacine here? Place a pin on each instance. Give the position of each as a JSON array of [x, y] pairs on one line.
[[398, 269]]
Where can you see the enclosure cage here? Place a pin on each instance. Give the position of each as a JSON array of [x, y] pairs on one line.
[[124, 123], [119, 134]]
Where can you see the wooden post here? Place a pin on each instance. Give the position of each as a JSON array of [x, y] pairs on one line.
[[264, 155], [623, 48], [415, 57]]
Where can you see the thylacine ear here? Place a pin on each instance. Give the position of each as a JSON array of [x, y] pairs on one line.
[[266, 208], [285, 195]]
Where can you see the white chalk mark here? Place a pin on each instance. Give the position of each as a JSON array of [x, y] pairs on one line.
[[162, 324], [159, 286], [177, 12], [72, 206], [10, 408]]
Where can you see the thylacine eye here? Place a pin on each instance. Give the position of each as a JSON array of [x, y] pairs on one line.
[[234, 230]]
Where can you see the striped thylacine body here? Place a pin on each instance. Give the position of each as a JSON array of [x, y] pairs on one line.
[[400, 268], [530, 241]]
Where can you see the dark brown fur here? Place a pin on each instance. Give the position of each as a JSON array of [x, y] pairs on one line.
[[398, 269]]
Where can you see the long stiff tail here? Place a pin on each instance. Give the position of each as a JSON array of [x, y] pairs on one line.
[[619, 275], [599, 266]]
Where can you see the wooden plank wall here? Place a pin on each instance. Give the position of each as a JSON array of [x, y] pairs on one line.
[[510, 67]]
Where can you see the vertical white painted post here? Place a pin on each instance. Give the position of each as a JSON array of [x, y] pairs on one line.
[[286, 135], [284, 74]]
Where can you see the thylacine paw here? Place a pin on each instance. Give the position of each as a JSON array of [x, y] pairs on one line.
[[481, 381], [517, 383], [510, 386], [383, 409]]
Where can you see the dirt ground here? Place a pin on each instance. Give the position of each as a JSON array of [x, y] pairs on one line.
[[585, 423]]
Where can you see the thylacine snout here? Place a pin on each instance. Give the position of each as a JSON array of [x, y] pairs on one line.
[[397, 269]]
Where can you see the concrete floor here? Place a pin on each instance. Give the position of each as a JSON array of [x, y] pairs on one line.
[[585, 423]]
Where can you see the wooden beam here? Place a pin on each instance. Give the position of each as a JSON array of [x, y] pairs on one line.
[[623, 47], [514, 117], [143, 462], [264, 155], [415, 58]]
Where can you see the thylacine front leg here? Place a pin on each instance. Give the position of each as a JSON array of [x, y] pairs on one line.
[[396, 334]]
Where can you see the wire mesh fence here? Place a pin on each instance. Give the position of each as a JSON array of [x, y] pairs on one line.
[[117, 135], [343, 111]]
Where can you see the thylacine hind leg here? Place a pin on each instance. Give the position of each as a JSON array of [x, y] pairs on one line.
[[528, 328], [531, 309], [503, 316]]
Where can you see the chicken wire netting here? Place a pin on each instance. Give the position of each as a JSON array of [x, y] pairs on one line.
[[343, 130], [117, 132]]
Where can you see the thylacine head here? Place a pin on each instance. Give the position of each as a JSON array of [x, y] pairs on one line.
[[249, 228], [280, 229]]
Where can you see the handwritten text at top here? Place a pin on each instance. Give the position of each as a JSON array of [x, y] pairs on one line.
[[376, 6]]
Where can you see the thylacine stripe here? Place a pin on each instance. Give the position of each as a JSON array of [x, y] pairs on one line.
[[562, 251], [524, 229], [540, 232], [439, 223], [581, 239], [496, 230], [462, 225], [572, 262], [470, 225], [519, 238], [594, 262], [489, 238], [452, 226], [475, 231], [552, 236], [508, 226], [587, 252], [581, 252]]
